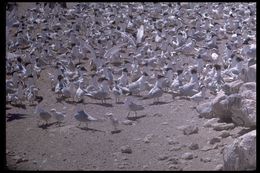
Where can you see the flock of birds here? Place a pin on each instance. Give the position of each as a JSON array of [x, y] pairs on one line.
[[99, 50]]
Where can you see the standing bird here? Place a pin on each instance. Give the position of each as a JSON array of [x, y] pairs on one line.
[[113, 120], [199, 96], [82, 116], [131, 106], [156, 91], [44, 115], [59, 116]]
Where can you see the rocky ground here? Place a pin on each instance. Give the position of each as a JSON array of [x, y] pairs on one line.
[[158, 141]]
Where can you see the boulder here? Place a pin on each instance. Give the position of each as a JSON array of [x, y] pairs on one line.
[[244, 113], [220, 106], [251, 73], [248, 90], [241, 154], [232, 87]]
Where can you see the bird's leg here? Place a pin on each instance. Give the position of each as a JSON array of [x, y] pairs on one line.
[[128, 113], [87, 125]]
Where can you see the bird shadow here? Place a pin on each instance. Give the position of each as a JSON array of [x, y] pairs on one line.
[[136, 117], [103, 104], [23, 106], [91, 129], [119, 103], [45, 126], [70, 102], [15, 116], [158, 103]]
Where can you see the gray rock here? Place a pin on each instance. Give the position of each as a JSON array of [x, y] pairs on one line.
[[194, 146], [251, 73], [173, 160], [205, 160], [220, 106], [214, 140], [187, 156], [126, 149], [148, 138], [244, 114], [232, 87], [223, 126], [241, 154], [224, 134], [189, 129], [163, 157]]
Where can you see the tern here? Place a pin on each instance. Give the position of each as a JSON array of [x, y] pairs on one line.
[[59, 116]]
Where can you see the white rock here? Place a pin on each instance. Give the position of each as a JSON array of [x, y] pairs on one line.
[[127, 122], [219, 167], [211, 121], [187, 156], [241, 154]]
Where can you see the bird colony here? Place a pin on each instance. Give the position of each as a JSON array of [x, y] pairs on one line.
[[127, 53]]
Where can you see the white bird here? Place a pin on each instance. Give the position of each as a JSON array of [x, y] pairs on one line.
[[113, 121], [132, 106], [117, 91], [102, 93], [139, 85], [156, 92], [59, 116], [200, 96], [79, 92], [44, 115], [84, 117], [140, 33], [123, 80]]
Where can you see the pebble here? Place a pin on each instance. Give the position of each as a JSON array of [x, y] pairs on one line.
[[210, 122], [214, 140], [189, 129], [224, 134], [223, 126], [173, 160], [175, 148], [205, 160], [219, 167], [126, 149], [145, 166], [35, 162], [163, 157], [147, 138], [206, 148], [187, 156], [193, 146], [165, 123], [172, 141], [175, 167], [127, 122]]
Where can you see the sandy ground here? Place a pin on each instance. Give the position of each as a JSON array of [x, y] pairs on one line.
[[29, 147], [71, 148]]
